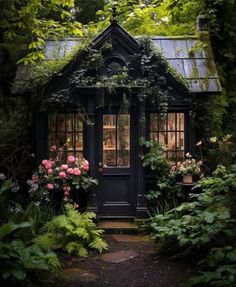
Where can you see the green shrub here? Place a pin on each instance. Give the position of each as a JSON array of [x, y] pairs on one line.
[[217, 269], [18, 258], [73, 232], [163, 193], [200, 221]]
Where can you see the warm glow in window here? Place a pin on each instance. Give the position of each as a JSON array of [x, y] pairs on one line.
[[116, 140], [66, 132], [170, 132]]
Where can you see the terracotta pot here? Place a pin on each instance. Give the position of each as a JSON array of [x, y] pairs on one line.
[[188, 178]]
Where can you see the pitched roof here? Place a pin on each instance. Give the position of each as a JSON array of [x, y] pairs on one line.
[[196, 66]]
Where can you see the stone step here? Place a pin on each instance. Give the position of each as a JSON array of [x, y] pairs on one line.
[[118, 226]]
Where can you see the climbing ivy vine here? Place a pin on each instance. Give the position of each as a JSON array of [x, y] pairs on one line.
[[146, 73]]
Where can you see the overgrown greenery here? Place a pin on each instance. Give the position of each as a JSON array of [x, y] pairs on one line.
[[163, 194], [19, 257], [146, 72], [206, 221], [25, 25], [23, 251], [72, 232]]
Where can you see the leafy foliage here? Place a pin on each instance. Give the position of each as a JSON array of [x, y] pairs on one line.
[[207, 220], [165, 17], [26, 24], [18, 258], [165, 194], [199, 222], [217, 269], [147, 71], [73, 232]]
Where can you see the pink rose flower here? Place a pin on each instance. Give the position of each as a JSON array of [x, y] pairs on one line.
[[62, 174], [53, 148], [71, 159], [45, 161], [50, 186], [85, 167], [50, 171], [64, 166], [66, 193], [70, 171], [77, 171], [48, 165], [86, 162]]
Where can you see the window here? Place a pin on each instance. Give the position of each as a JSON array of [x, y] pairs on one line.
[[169, 132], [66, 132], [116, 140]]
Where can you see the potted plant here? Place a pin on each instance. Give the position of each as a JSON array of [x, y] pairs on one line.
[[188, 168]]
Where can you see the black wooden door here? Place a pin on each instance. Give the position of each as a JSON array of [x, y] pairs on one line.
[[116, 164]]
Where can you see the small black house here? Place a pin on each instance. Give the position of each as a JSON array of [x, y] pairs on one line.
[[121, 111]]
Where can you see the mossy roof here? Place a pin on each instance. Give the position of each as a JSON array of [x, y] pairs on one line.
[[197, 66]]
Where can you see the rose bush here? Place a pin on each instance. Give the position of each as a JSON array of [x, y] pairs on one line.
[[67, 181]]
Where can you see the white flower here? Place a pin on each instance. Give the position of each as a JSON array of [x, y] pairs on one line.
[[165, 19], [199, 143], [2, 176], [213, 139]]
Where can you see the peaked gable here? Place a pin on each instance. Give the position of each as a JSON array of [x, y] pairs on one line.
[[195, 69]]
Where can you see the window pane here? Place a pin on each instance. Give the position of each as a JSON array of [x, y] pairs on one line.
[[162, 124], [123, 138], [79, 141], [180, 141], [153, 136], [116, 140], [171, 121], [169, 132], [171, 140], [78, 123], [171, 155], [180, 121], [153, 122], [179, 155], [109, 158], [65, 134], [162, 138], [61, 122], [69, 123], [69, 142], [109, 140]]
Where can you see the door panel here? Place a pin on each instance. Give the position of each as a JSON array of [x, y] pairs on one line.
[[115, 166]]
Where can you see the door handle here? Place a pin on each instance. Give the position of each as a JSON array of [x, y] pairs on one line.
[[100, 167]]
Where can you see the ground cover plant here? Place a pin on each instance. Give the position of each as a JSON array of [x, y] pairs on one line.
[[30, 228], [163, 194], [204, 224], [72, 232]]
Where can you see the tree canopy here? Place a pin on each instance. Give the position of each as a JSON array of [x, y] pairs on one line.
[[26, 24]]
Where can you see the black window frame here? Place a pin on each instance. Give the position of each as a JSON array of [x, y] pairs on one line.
[[185, 143], [73, 132]]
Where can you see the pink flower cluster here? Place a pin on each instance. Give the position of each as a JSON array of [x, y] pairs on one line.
[[62, 176]]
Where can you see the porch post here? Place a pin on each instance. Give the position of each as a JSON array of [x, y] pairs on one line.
[[90, 148], [141, 209]]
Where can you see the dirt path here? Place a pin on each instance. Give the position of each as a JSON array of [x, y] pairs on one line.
[[131, 261]]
